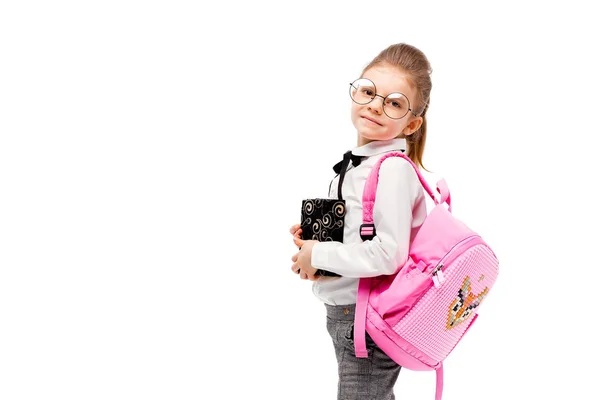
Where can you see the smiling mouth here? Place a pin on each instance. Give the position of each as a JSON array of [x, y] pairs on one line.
[[373, 121]]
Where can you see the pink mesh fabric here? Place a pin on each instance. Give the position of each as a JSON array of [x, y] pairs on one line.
[[426, 325]]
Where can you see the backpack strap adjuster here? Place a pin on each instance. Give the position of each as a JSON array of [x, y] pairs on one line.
[[367, 231]]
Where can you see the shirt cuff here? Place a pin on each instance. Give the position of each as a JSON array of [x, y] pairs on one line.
[[320, 254]]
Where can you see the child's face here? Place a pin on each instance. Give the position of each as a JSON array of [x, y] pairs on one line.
[[369, 119]]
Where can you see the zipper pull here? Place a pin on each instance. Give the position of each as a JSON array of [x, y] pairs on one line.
[[438, 276], [436, 281], [441, 277]]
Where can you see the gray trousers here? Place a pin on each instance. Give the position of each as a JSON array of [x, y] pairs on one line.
[[371, 378]]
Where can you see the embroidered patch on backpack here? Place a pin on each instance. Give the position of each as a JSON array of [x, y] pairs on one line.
[[463, 305]]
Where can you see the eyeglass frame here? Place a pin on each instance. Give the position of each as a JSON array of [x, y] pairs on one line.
[[383, 101]]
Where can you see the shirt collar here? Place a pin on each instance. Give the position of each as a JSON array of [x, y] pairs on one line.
[[379, 146]]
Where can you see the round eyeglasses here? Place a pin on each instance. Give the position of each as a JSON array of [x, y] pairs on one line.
[[395, 105]]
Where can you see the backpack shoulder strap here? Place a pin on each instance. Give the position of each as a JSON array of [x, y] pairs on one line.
[[367, 232], [370, 189]]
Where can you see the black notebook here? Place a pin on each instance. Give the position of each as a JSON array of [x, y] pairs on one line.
[[323, 220]]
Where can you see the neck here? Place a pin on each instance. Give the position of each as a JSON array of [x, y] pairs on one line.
[[362, 141]]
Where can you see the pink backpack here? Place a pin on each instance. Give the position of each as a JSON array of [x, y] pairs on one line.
[[418, 315]]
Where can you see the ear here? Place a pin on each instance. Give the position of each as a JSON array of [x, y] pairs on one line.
[[412, 126], [466, 287]]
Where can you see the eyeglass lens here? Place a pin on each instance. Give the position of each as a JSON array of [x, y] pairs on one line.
[[395, 105]]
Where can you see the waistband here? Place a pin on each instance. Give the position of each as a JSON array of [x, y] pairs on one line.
[[341, 313]]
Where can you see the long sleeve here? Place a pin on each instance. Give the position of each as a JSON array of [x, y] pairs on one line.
[[398, 192]]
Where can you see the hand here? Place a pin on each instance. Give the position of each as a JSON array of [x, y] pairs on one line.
[[296, 231], [302, 260]]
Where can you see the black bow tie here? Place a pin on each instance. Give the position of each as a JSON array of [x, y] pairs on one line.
[[348, 156]]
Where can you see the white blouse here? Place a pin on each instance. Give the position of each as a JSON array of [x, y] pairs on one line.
[[398, 213]]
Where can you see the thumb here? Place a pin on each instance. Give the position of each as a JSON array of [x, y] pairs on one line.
[[299, 242]]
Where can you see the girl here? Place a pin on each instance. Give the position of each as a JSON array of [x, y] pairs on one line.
[[389, 103]]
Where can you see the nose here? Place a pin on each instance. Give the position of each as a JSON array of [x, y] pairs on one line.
[[376, 104]]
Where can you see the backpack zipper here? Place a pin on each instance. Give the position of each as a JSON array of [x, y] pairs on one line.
[[437, 275]]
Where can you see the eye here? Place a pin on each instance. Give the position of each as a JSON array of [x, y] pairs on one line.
[[397, 101], [368, 92]]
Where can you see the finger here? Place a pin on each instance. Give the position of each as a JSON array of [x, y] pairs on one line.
[[295, 257], [298, 234], [298, 242], [303, 275], [295, 268], [311, 276], [294, 228]]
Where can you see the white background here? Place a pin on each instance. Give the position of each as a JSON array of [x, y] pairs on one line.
[[154, 154]]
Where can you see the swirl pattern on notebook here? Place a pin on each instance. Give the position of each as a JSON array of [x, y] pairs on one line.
[[323, 219]]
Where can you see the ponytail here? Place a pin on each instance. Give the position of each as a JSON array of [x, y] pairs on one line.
[[416, 142]]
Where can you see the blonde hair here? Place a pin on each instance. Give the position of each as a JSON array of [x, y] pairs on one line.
[[413, 62]]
